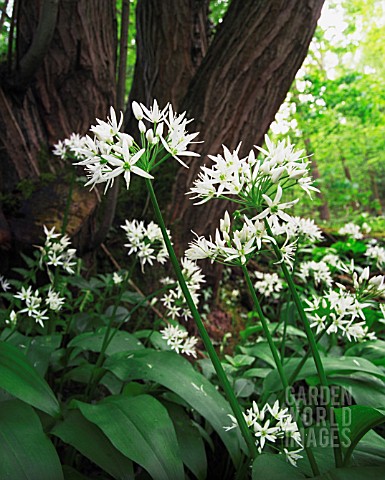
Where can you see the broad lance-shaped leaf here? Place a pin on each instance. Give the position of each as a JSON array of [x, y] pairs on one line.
[[121, 342], [90, 441], [26, 453], [190, 441], [140, 428], [21, 380], [274, 467], [355, 473], [177, 374], [332, 366], [354, 422]]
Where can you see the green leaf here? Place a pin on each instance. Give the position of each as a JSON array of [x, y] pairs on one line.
[[132, 297], [354, 422], [72, 474], [373, 351], [243, 388], [21, 380], [190, 441], [370, 450], [91, 442], [365, 389], [38, 349], [93, 341], [332, 366], [274, 467], [26, 452], [260, 350], [177, 374], [256, 373], [356, 473], [239, 361], [140, 428]]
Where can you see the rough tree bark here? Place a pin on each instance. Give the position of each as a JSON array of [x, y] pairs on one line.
[[61, 77], [240, 85], [53, 91], [242, 78], [171, 40]]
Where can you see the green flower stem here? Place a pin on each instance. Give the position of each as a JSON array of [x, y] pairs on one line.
[[279, 366], [247, 435], [312, 342]]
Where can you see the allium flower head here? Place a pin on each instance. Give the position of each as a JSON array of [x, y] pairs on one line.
[[273, 426]]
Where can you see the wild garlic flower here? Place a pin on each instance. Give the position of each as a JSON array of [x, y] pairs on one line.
[[4, 284], [146, 241], [174, 300], [376, 253], [54, 301], [352, 230], [179, 340], [319, 271], [268, 283], [56, 252], [117, 278], [230, 246], [32, 305], [273, 427], [274, 210], [70, 147], [111, 153], [254, 181], [339, 312], [12, 320], [333, 260], [297, 227]]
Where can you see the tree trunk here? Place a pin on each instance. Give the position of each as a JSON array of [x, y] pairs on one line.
[[171, 40], [62, 76], [346, 169], [71, 82], [239, 87]]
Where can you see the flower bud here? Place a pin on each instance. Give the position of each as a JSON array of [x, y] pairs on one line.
[[150, 136], [142, 127], [159, 130], [138, 113], [125, 137]]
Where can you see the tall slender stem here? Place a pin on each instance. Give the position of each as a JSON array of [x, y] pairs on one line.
[[312, 343], [246, 433], [279, 366]]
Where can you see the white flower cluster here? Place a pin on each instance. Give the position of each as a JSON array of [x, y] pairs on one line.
[[230, 246], [111, 153], [146, 242], [342, 311], [333, 260], [179, 340], [249, 178], [174, 300], [319, 271], [273, 426], [352, 230], [33, 304], [177, 140], [268, 283], [377, 253], [297, 227], [56, 252], [70, 146]]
